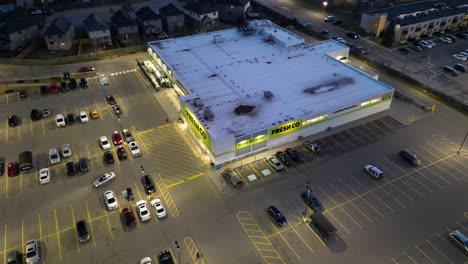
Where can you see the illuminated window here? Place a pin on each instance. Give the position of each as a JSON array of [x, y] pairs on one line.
[[373, 101], [313, 120]]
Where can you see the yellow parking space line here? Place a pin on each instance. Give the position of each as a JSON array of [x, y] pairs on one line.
[[166, 195], [394, 261], [281, 235], [138, 192], [356, 193], [196, 176], [259, 175], [305, 243], [6, 133], [21, 182], [294, 209], [410, 257], [98, 110], [43, 127], [440, 252], [31, 126], [6, 185], [174, 184], [22, 236], [427, 150], [40, 226], [90, 222], [271, 168], [19, 133], [425, 255], [76, 231], [193, 250], [240, 175], [413, 178], [175, 258], [58, 234], [341, 208], [317, 236], [458, 223], [378, 198], [108, 224], [4, 246]]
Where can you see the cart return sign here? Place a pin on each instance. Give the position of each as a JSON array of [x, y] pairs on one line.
[[285, 129]]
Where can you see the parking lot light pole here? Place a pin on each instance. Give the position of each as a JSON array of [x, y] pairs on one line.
[[304, 219], [178, 250], [463, 143]]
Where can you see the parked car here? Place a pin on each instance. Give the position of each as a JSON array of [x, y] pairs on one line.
[[284, 158], [116, 138], [84, 83], [451, 71], [111, 100], [353, 35], [410, 157], [460, 67], [23, 94], [94, 114], [70, 168], [83, 117], [71, 119], [276, 216], [459, 239], [127, 135], [54, 156], [424, 44], [373, 171], [312, 147], [108, 157], [13, 169], [13, 120], [83, 232], [32, 252], [44, 176], [459, 57], [143, 211], [54, 89], [110, 200], [148, 184], [83, 165], [103, 179], [433, 44], [64, 87], [117, 109], [295, 155], [232, 178], [274, 162], [446, 40], [165, 257], [104, 143], [14, 257], [134, 149], [86, 69], [158, 208], [36, 114], [405, 50], [312, 201], [416, 48], [121, 153], [46, 113], [329, 18], [72, 84], [60, 120], [361, 50], [66, 150], [128, 217]]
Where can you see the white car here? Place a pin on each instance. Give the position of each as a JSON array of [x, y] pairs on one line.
[[146, 260], [158, 208], [424, 44], [143, 211], [374, 172], [32, 252], [110, 200], [103, 179], [446, 40], [60, 120], [104, 142], [274, 162], [44, 176], [459, 57], [329, 18], [463, 53], [83, 117], [433, 44], [134, 149], [66, 150], [54, 156]]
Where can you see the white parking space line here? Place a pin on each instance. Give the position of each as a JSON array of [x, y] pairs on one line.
[[340, 207], [425, 255], [440, 252], [353, 204], [399, 179], [357, 194], [414, 178], [385, 191]]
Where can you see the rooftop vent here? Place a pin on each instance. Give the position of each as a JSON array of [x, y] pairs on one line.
[[243, 109], [218, 39], [198, 103], [208, 114], [268, 95]]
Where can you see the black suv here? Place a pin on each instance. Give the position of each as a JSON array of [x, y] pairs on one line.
[[111, 100], [36, 115], [45, 90], [284, 158], [71, 168], [165, 257], [83, 165], [276, 215], [410, 157], [82, 229], [71, 119], [295, 155], [72, 84], [148, 184], [13, 120], [121, 153], [63, 87], [312, 201], [83, 83], [108, 157], [353, 35]]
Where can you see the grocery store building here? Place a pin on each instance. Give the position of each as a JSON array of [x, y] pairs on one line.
[[248, 89]]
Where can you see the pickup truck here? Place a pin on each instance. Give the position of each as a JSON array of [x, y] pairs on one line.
[[232, 178]]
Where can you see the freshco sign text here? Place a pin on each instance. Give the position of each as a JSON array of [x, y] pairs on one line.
[[285, 128]]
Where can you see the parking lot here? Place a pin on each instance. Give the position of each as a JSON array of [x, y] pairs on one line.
[[354, 202]]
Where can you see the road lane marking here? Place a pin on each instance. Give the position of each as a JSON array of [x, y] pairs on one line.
[[356, 193], [424, 254], [76, 231], [410, 257], [440, 252], [340, 207], [90, 222], [58, 233]]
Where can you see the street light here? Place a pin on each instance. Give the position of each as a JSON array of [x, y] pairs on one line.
[[325, 3], [178, 250], [304, 219], [463, 142]]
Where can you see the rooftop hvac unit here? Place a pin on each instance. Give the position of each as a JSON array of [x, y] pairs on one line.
[[218, 39], [198, 103], [268, 95], [208, 114]]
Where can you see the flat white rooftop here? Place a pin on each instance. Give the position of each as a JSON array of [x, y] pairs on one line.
[[238, 68]]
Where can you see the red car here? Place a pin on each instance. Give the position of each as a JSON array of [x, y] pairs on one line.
[[23, 93], [86, 69], [13, 169], [116, 138], [54, 88], [129, 217]]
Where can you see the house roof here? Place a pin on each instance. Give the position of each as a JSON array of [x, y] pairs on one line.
[[201, 7], [122, 19], [91, 23], [14, 25], [145, 13], [232, 2], [60, 26], [170, 10]]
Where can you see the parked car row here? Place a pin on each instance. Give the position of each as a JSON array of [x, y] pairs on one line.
[[454, 71], [64, 86]]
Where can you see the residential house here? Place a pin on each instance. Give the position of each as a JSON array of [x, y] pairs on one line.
[[98, 32], [7, 6], [172, 18], [416, 19], [17, 33], [202, 13], [233, 10], [59, 35], [124, 28], [149, 23]]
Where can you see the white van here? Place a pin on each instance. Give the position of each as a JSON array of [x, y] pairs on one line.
[[373, 171]]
